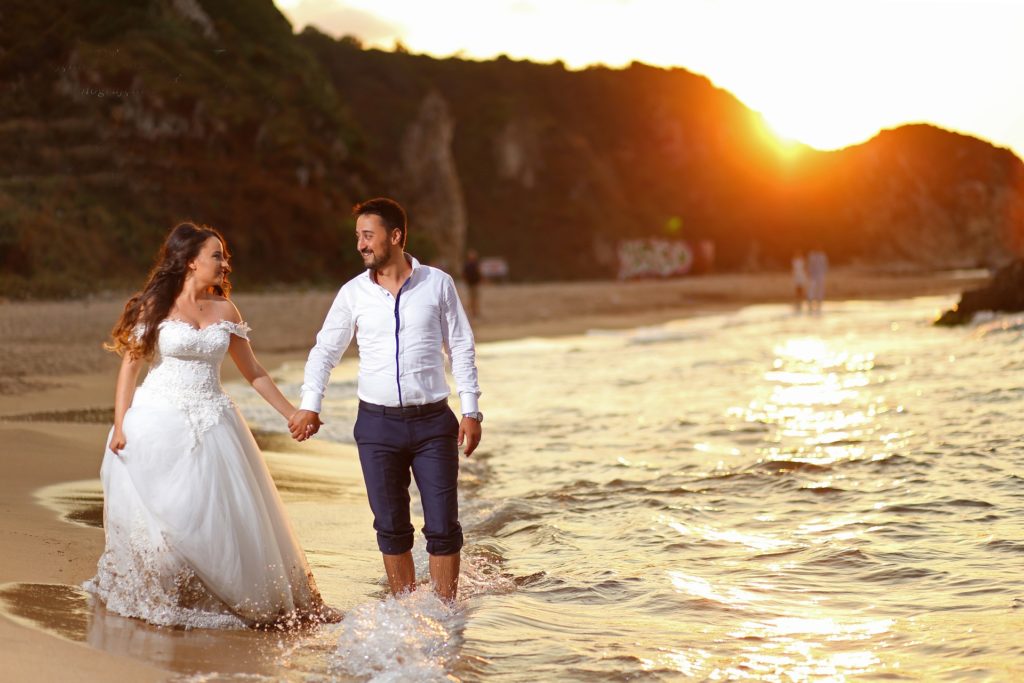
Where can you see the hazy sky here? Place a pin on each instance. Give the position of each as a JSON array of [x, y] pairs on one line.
[[826, 72]]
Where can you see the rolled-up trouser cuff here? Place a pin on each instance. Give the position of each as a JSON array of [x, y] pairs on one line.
[[447, 545], [394, 545]]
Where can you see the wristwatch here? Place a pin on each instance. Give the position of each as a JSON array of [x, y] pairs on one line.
[[478, 416]]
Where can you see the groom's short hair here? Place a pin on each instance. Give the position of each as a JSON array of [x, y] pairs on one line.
[[390, 212]]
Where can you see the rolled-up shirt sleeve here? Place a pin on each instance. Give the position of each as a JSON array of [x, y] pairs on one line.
[[460, 347], [332, 340]]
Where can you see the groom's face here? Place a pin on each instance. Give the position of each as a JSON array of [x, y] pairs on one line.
[[373, 240]]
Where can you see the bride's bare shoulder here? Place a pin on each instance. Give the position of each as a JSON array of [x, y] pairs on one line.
[[226, 309]]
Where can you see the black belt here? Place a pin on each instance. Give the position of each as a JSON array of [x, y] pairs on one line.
[[405, 411]]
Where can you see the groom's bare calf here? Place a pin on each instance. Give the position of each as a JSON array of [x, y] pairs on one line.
[[444, 574], [401, 572]]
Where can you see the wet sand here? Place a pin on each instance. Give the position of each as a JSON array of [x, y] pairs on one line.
[[56, 389]]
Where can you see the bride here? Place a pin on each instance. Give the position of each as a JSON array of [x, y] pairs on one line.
[[196, 534]]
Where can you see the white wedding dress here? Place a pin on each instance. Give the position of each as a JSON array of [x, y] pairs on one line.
[[196, 535]]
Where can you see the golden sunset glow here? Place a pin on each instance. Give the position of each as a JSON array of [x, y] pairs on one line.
[[797, 126], [827, 74], [785, 144]]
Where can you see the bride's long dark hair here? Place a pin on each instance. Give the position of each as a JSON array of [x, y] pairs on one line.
[[165, 282]]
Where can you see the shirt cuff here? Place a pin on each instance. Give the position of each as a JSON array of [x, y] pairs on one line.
[[469, 403], [310, 401]]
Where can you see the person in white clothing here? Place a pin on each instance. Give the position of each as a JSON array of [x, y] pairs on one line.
[[196, 533], [799, 281], [404, 315], [817, 270]]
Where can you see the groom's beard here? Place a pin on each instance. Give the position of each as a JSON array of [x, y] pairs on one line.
[[375, 261]]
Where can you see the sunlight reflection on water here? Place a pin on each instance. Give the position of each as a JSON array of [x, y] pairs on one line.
[[768, 465]]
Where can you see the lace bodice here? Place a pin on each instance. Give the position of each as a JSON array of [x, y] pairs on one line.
[[186, 370]]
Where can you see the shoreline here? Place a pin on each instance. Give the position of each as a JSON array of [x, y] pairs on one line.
[[42, 341], [52, 369]]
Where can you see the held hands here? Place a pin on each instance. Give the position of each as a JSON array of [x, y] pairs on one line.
[[469, 432], [304, 424]]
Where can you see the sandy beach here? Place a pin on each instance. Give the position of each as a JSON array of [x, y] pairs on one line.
[[56, 397]]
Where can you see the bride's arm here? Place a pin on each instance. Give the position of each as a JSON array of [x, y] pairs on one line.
[[245, 359], [127, 376], [252, 371]]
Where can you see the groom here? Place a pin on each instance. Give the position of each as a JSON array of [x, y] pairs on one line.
[[402, 314]]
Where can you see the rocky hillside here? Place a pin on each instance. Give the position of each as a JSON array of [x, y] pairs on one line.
[[556, 166], [917, 196], [115, 124]]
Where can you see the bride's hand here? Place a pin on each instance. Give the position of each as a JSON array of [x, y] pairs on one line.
[[117, 441]]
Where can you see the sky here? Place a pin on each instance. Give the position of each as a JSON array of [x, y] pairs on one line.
[[829, 73]]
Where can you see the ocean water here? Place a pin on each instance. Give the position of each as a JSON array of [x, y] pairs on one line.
[[754, 495], [748, 496]]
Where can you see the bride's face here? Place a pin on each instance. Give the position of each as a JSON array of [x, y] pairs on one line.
[[211, 265]]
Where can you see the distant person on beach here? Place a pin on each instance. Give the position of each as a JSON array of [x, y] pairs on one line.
[[799, 266], [817, 270], [404, 315], [473, 277], [196, 535]]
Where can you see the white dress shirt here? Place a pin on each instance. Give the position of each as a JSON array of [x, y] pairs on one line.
[[400, 342]]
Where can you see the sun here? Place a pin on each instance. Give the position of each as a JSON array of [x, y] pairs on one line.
[[786, 146], [808, 125]]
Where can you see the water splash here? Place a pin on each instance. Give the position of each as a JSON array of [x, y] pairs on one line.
[[416, 636], [412, 637]]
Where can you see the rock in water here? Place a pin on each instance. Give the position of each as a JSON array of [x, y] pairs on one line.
[[1004, 294]]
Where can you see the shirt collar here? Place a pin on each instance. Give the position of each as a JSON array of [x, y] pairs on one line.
[[408, 257]]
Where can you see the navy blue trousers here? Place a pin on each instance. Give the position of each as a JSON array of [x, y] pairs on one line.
[[390, 446]]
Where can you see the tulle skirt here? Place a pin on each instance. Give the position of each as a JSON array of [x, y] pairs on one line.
[[196, 534]]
